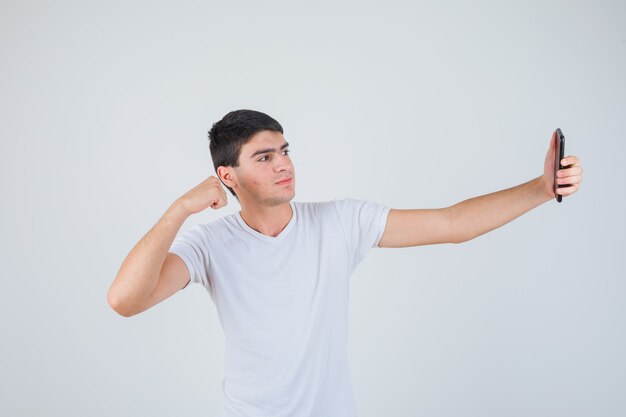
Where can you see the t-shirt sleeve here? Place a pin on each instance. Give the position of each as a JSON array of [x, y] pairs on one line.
[[191, 246], [363, 223]]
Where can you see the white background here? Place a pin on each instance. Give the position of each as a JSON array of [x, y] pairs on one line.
[[104, 113]]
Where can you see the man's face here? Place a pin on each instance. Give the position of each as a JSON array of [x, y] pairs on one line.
[[263, 162]]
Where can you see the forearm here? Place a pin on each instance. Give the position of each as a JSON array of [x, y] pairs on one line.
[[139, 274], [479, 215]]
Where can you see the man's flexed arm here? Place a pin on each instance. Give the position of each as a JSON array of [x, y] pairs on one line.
[[133, 289]]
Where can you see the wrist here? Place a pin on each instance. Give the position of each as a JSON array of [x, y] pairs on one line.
[[178, 209], [544, 188]]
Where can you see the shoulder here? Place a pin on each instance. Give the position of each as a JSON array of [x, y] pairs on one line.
[[336, 205], [331, 203], [315, 211], [350, 205], [346, 209], [220, 228], [313, 206]]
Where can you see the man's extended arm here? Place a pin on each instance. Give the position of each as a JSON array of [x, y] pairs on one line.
[[482, 214], [476, 216], [462, 221], [479, 215]]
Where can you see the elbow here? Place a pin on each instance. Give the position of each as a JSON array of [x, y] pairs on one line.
[[458, 240], [462, 240], [117, 305], [454, 234]]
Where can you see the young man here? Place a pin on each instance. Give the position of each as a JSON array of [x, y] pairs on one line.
[[278, 271]]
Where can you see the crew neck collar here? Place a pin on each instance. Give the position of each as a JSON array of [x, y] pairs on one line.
[[267, 238]]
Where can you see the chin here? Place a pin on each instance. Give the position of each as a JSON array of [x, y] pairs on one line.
[[290, 195]]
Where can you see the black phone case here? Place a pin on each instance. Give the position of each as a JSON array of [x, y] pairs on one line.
[[559, 155]]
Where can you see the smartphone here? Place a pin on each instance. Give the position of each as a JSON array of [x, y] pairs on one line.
[[559, 154]]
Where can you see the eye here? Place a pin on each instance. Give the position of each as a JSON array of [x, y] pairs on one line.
[[286, 151]]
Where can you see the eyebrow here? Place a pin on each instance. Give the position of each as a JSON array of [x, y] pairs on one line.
[[260, 151]]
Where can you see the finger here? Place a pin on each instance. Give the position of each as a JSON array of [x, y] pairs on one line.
[[574, 179], [570, 160], [577, 170], [567, 190]]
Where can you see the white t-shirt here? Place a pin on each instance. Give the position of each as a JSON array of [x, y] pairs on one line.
[[283, 304]]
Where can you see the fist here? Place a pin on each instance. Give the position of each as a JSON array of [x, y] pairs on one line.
[[209, 193]]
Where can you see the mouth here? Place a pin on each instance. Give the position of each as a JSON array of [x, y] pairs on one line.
[[285, 181]]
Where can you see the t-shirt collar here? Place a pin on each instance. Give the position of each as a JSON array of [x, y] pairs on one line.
[[267, 238]]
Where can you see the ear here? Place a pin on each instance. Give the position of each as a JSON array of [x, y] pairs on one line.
[[227, 176]]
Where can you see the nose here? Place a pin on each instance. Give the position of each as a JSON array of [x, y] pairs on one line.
[[282, 163]]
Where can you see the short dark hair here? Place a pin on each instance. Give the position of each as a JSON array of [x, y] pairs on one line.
[[227, 137]]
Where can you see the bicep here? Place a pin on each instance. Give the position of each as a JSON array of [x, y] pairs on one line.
[[416, 227], [174, 276]]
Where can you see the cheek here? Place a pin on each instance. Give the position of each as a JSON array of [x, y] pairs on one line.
[[253, 181]]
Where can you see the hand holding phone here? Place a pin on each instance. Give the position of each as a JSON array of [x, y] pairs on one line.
[[558, 156]]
